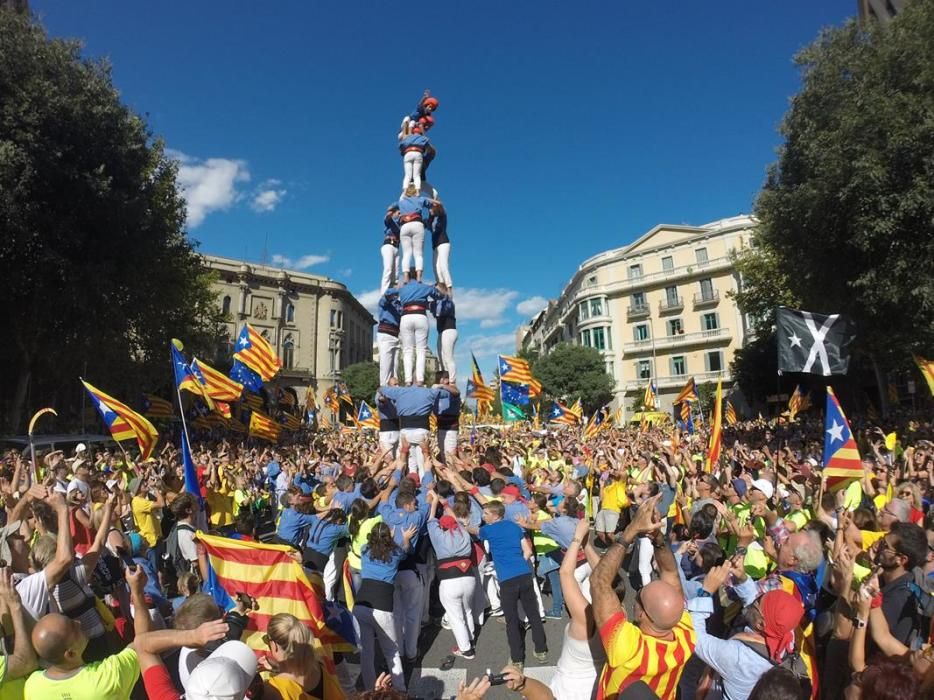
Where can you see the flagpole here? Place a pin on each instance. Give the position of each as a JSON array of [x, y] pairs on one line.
[[201, 518]]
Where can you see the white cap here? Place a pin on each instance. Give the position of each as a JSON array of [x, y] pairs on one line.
[[765, 486], [225, 675], [80, 447], [110, 483], [812, 461]]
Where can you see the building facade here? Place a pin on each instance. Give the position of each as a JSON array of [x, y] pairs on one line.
[[879, 10], [657, 308], [315, 324]]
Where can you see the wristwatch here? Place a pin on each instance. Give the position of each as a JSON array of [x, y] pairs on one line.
[[858, 623], [741, 551]]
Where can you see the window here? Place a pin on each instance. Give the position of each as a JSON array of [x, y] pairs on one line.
[[678, 366], [710, 322], [675, 327], [592, 281], [596, 307], [333, 318], [340, 319], [671, 295], [225, 306], [599, 339], [635, 272], [706, 289], [668, 263], [714, 361], [640, 333], [288, 352], [290, 313], [701, 254], [644, 369], [585, 338], [638, 300], [583, 311]]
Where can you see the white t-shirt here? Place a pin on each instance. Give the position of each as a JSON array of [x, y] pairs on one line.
[[186, 544], [35, 594]]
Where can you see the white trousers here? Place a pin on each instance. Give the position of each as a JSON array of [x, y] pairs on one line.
[[412, 241], [457, 596], [378, 627], [413, 332], [388, 346], [412, 169], [415, 437], [447, 441], [407, 611], [441, 258], [446, 342], [390, 255], [330, 578], [389, 440]]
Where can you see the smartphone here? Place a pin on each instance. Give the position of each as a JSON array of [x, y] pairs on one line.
[[496, 678]]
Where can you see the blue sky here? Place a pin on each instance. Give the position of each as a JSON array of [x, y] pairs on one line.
[[564, 129]]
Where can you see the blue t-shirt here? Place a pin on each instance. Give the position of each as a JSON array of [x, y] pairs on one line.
[[323, 536], [344, 499], [401, 519], [505, 540], [291, 524], [384, 571], [515, 510]]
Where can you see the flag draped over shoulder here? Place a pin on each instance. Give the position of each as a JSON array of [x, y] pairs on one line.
[[262, 426], [123, 422], [157, 407], [366, 418], [255, 352], [842, 464], [476, 387], [268, 573], [813, 343], [217, 385], [713, 448], [927, 369]]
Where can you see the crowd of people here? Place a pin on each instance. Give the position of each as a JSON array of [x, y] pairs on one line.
[[752, 580]]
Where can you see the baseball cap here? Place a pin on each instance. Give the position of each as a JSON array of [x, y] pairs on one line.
[[225, 675], [764, 486]]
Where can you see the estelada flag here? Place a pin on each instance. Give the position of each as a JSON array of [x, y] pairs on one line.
[[123, 422], [217, 384], [730, 413], [255, 352], [366, 418], [688, 393], [156, 407], [262, 426], [713, 449], [842, 464]]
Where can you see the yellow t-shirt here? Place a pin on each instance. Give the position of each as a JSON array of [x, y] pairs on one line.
[[221, 503], [287, 688], [110, 679], [144, 513], [356, 544], [10, 689], [615, 497]]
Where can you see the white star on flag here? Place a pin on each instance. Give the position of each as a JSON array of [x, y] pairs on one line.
[[244, 342], [836, 432], [795, 340]]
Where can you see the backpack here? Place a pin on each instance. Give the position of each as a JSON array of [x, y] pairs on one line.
[[177, 563], [792, 662]]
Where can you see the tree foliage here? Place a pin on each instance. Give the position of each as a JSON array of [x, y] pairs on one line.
[[570, 371], [847, 213], [362, 380], [97, 269]]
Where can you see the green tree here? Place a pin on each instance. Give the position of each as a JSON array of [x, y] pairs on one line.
[[363, 380], [570, 371], [847, 213], [98, 272]]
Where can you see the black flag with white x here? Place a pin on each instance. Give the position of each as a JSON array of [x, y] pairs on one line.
[[813, 343]]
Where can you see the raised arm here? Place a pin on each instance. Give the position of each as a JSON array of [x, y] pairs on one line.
[[94, 551], [64, 553], [23, 660], [578, 607]]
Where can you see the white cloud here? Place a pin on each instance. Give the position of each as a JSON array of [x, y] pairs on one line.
[[530, 307], [268, 196], [346, 272], [370, 300], [489, 345], [485, 305], [208, 185], [302, 263]]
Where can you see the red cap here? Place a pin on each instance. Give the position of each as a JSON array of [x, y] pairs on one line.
[[512, 490], [489, 467], [447, 522], [430, 102]]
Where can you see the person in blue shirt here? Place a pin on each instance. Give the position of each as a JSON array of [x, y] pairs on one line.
[[389, 315], [414, 210], [446, 324], [295, 518], [388, 421], [373, 605], [390, 248], [412, 147], [414, 297], [447, 410], [441, 247], [413, 406], [324, 532], [512, 554]]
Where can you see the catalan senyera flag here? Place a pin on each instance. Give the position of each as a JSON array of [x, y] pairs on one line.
[[688, 393], [268, 573], [577, 409], [262, 426], [476, 387], [927, 369], [123, 422], [515, 370], [217, 384], [796, 403], [255, 352], [649, 399], [186, 380], [237, 426], [535, 387], [716, 425], [324, 422], [253, 401], [842, 464], [560, 413], [366, 418], [223, 408], [157, 407], [730, 413]]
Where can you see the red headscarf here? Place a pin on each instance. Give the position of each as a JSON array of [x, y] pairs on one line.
[[447, 522], [782, 614]]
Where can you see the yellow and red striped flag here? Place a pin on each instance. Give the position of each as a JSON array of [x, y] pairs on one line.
[[330, 400], [577, 409], [688, 393], [268, 573], [223, 408], [157, 407], [366, 417], [255, 352], [515, 370], [927, 369], [123, 422], [713, 449], [217, 385], [290, 422], [236, 426], [797, 403], [476, 387], [730, 414], [842, 464], [262, 426]]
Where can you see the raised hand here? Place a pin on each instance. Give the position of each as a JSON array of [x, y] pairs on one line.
[[209, 632]]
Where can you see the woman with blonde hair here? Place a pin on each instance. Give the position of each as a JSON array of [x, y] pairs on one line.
[[910, 492], [294, 669]]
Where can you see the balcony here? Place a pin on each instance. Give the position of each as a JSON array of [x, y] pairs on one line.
[[706, 299], [671, 304], [638, 311], [679, 340], [677, 381]]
